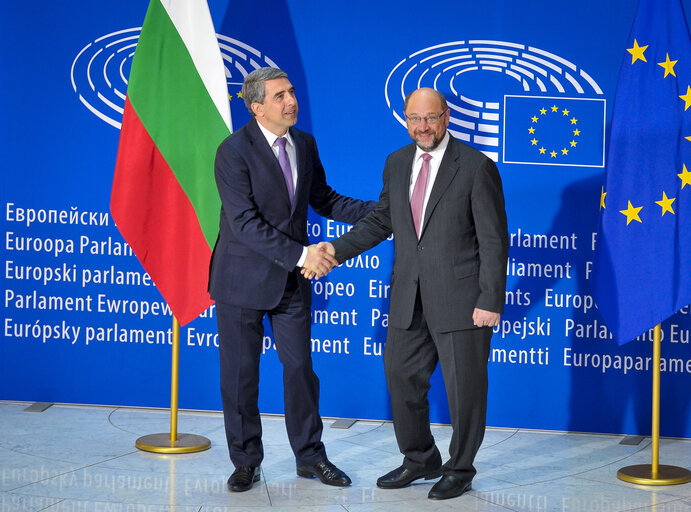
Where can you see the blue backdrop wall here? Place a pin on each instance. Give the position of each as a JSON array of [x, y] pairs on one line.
[[81, 322]]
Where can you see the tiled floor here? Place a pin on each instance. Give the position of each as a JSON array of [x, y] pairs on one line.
[[83, 459]]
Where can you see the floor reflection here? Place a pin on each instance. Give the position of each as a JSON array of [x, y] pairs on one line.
[[83, 459]]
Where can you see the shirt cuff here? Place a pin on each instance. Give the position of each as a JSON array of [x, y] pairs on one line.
[[302, 259]]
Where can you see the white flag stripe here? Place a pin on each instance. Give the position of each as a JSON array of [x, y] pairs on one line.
[[193, 22]]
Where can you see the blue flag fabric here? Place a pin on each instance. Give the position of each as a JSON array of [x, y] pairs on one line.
[[642, 266]]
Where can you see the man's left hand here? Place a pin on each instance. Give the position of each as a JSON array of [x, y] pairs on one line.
[[482, 318]]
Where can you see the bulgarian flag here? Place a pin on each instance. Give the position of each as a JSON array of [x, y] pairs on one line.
[[164, 199]]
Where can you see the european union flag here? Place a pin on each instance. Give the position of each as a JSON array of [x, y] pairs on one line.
[[544, 130], [642, 268]]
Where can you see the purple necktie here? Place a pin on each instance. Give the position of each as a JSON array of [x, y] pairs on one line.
[[285, 166], [417, 200]]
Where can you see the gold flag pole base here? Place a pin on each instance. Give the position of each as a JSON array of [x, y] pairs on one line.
[[655, 473], [162, 443], [643, 474], [173, 442]]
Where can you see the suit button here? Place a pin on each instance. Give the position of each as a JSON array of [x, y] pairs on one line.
[[420, 248]]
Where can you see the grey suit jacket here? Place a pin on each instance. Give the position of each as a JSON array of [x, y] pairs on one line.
[[459, 262]]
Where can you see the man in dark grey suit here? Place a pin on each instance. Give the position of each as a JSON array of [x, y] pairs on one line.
[[267, 173], [443, 202]]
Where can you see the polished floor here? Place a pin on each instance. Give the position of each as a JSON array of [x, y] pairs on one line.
[[83, 459]]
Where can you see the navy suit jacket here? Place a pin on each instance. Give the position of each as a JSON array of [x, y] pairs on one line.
[[459, 262], [261, 234]]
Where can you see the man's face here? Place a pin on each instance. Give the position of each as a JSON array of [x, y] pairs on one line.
[[426, 135], [280, 108]]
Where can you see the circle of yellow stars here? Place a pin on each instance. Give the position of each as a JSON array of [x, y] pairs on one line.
[[535, 141], [632, 213]]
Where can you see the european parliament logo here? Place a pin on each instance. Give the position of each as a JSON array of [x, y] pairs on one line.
[[516, 103], [101, 69]]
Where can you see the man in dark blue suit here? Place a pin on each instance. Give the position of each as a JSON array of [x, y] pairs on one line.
[[267, 173]]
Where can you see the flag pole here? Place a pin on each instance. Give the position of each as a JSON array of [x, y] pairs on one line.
[[654, 474], [173, 442]]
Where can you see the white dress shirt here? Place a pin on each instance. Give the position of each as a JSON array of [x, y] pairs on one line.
[[437, 154], [290, 149]]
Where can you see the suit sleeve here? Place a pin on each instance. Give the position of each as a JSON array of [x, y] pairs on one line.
[[329, 203], [370, 230], [242, 213], [489, 215]]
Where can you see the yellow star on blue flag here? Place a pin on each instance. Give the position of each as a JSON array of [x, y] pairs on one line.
[[642, 268]]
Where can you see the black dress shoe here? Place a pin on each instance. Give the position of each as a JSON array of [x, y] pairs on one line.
[[400, 477], [242, 478], [448, 487], [326, 472]]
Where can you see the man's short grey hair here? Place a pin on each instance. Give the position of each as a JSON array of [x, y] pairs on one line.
[[253, 89]]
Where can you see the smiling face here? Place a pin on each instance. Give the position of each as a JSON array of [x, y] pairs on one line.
[[423, 103], [279, 111]]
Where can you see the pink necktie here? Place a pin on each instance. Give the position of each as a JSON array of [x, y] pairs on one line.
[[285, 166], [417, 200]]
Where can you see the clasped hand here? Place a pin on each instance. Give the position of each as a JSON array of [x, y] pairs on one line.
[[320, 260]]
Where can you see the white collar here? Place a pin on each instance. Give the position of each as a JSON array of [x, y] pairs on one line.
[[271, 137]]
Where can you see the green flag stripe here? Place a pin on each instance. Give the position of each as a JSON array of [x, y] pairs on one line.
[[178, 113]]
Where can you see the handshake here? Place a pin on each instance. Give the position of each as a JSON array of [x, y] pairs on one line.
[[320, 260]]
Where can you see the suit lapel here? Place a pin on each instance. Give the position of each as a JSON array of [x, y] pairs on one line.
[[448, 168], [300, 162], [403, 184]]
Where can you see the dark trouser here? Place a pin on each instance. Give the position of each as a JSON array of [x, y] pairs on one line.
[[410, 358], [241, 335]]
